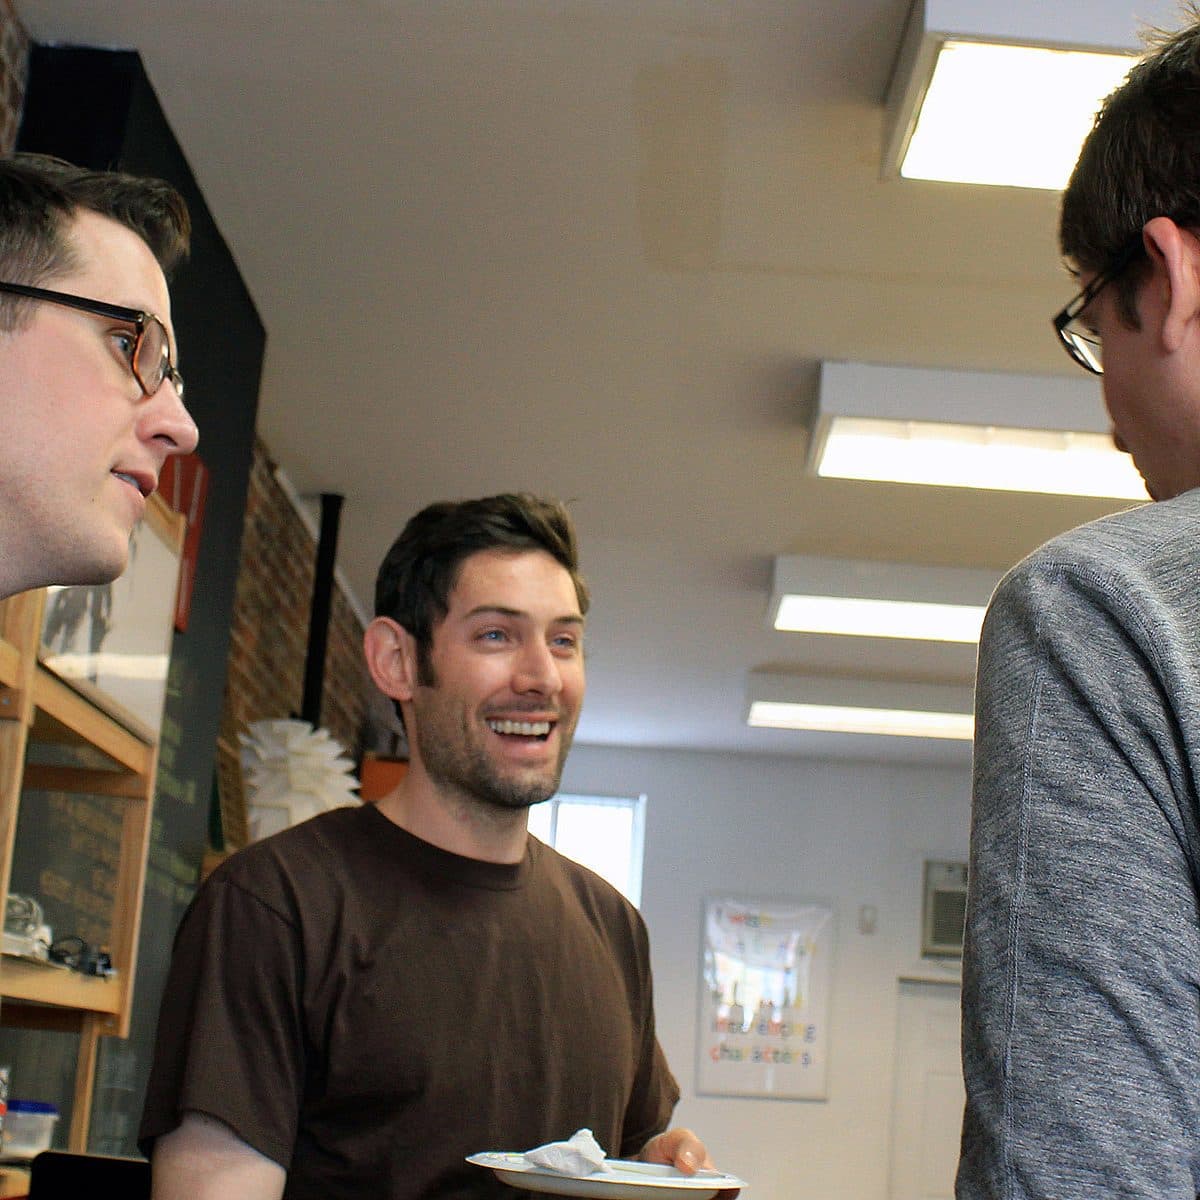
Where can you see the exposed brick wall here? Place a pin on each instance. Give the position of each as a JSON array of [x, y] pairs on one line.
[[14, 71], [269, 634], [343, 703]]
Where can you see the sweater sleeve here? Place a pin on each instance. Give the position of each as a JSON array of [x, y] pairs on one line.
[[1081, 1023]]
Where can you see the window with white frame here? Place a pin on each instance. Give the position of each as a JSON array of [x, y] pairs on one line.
[[604, 833]]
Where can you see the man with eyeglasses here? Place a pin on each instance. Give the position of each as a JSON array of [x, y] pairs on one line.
[[1081, 971], [91, 403]]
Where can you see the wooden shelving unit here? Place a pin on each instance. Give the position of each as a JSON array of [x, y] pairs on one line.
[[38, 708]]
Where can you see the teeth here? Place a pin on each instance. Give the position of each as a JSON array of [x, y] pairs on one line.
[[525, 728]]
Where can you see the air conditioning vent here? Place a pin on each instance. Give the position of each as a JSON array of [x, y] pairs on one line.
[[944, 911]]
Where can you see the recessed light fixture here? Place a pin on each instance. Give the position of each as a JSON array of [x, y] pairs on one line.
[[862, 706], [954, 112], [875, 599], [974, 126], [978, 429]]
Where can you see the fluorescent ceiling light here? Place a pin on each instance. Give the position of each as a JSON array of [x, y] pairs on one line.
[[875, 599], [1023, 433], [1004, 91], [948, 455], [975, 126], [877, 707], [880, 618], [887, 722]]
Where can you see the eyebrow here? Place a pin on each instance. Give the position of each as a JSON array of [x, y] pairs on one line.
[[520, 614]]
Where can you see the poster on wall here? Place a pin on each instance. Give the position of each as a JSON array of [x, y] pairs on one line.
[[766, 975], [112, 641]]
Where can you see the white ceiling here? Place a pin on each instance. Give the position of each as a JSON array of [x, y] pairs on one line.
[[596, 249]]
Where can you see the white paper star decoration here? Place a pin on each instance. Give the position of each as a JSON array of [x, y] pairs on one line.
[[292, 772]]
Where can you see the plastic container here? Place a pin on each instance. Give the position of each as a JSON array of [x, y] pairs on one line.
[[28, 1128]]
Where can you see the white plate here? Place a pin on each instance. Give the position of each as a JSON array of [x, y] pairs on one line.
[[623, 1181]]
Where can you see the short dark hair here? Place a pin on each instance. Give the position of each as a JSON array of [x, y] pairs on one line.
[[1140, 161], [420, 570], [40, 195]]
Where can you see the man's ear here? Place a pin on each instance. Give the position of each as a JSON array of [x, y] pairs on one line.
[[391, 653], [1175, 258]]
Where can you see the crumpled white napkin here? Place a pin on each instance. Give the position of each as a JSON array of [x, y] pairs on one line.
[[580, 1154]]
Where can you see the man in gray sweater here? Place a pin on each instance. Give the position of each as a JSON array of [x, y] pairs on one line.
[[1081, 979]]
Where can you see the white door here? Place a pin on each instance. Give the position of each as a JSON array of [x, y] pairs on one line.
[[927, 1106]]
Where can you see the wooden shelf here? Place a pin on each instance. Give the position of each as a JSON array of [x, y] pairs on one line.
[[62, 715], [30, 983], [10, 664], [14, 1180], [37, 708]]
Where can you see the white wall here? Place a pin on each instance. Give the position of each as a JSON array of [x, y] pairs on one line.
[[848, 833]]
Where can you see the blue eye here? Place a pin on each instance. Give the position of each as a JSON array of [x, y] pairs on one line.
[[125, 342]]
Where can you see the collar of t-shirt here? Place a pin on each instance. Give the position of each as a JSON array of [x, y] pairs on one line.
[[443, 864]]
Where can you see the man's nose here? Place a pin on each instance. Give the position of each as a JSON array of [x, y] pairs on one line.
[[1119, 442], [165, 420], [537, 670]]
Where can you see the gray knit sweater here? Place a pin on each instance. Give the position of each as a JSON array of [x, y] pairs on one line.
[[1081, 973]]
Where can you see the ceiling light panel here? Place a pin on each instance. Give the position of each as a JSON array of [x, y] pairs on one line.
[[977, 429], [974, 126], [876, 599], [885, 708], [1003, 91]]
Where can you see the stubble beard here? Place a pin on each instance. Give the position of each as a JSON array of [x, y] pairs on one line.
[[460, 767]]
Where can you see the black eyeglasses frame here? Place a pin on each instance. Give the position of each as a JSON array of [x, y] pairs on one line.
[[1088, 356], [138, 318]]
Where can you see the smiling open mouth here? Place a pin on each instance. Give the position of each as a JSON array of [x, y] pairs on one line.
[[525, 729]]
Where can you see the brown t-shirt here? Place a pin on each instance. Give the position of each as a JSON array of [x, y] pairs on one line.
[[367, 1009]]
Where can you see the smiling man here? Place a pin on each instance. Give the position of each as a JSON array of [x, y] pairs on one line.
[[358, 1003], [1081, 970], [91, 404]]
